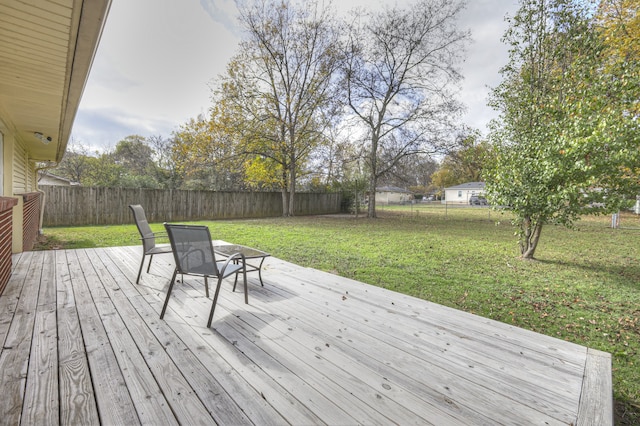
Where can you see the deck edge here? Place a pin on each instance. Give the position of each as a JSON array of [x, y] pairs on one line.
[[596, 397]]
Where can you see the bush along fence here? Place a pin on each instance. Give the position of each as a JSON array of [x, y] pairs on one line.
[[75, 206]]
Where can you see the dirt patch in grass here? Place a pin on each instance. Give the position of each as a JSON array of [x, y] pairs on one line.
[[45, 242]]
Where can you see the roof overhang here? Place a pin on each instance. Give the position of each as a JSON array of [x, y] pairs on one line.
[[46, 51]]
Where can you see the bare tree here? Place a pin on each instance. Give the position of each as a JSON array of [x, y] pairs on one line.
[[399, 72], [412, 171], [280, 82]]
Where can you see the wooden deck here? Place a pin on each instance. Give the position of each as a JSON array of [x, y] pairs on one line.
[[83, 344]]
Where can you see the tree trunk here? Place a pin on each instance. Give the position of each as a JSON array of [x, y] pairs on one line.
[[292, 189], [285, 202], [285, 194], [531, 235], [371, 209], [373, 178]]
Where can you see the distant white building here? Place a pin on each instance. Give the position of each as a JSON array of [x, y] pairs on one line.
[[393, 195], [460, 194], [45, 178]]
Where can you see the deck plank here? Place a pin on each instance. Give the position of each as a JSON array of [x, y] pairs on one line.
[[14, 359], [596, 404], [47, 294], [64, 287], [11, 296], [114, 402], [77, 401], [41, 402]]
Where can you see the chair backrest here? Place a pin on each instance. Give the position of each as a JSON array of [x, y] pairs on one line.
[[148, 239], [192, 249]]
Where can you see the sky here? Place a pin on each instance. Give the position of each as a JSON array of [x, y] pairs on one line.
[[157, 59]]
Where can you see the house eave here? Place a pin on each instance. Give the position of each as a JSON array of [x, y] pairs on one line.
[[48, 49]]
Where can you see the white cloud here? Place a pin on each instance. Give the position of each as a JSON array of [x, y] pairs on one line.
[[223, 12], [152, 68]]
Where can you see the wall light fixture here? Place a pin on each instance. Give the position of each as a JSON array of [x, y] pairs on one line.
[[43, 139]]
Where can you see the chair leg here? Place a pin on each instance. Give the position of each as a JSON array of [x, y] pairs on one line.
[[150, 259], [235, 283], [215, 300], [206, 287], [260, 271], [246, 291], [140, 270], [166, 301]]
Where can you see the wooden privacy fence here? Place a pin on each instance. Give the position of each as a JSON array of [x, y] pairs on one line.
[[74, 205]]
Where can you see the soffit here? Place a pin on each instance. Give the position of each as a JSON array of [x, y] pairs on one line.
[[46, 51]]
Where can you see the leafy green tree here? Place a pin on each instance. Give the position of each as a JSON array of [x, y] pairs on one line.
[[443, 178], [619, 25], [561, 143], [399, 74], [617, 115], [104, 171], [75, 163], [165, 160], [465, 162], [204, 153], [134, 154]]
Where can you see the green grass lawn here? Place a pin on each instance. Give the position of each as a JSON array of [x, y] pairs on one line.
[[584, 286]]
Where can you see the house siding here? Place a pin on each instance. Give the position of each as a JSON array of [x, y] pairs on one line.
[[392, 195], [20, 169], [460, 194], [25, 228]]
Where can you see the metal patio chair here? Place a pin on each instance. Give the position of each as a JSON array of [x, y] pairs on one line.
[[194, 255], [148, 237]]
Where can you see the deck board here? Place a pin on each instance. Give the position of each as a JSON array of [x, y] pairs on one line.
[[113, 399], [41, 401], [14, 360], [83, 344]]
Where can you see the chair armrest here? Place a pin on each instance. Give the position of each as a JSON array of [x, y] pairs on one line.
[[156, 235], [229, 259]]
